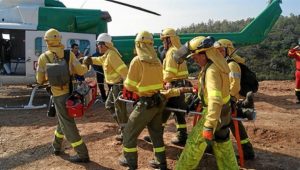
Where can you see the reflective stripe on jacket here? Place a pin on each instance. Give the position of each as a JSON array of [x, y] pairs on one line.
[[144, 78], [114, 68], [235, 79]]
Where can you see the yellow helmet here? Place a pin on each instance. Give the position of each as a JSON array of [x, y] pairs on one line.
[[144, 37], [200, 44], [168, 32], [52, 35], [224, 43]]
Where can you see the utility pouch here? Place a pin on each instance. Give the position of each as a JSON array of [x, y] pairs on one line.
[[58, 73]]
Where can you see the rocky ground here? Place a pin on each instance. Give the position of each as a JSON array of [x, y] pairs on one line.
[[26, 135]]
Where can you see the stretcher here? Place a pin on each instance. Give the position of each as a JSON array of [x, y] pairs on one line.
[[197, 116]]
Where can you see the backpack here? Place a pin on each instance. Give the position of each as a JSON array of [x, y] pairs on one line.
[[248, 79], [58, 72]]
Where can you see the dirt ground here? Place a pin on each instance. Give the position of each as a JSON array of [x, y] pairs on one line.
[[26, 135]]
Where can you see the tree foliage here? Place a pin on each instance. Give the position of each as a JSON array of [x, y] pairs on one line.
[[269, 58]]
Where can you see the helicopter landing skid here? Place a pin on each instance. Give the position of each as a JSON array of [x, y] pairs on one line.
[[29, 106]]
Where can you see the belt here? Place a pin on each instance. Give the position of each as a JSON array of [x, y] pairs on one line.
[[152, 101], [149, 98]]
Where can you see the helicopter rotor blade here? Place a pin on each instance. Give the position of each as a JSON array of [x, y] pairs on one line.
[[132, 6]]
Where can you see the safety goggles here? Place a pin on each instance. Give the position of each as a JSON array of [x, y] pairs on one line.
[[100, 43]]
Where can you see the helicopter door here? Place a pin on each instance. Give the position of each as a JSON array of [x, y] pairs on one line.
[[35, 46], [12, 52]]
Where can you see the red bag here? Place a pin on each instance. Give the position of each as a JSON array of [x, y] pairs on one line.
[[77, 104]]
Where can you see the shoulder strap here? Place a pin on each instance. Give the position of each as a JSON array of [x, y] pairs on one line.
[[47, 57], [67, 58], [229, 59], [67, 55]]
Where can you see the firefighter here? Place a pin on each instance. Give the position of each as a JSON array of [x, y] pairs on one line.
[[213, 128], [149, 108], [295, 53], [226, 47], [115, 71], [75, 50], [174, 75], [61, 90]]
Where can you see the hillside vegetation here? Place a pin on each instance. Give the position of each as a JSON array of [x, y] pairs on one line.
[[269, 58]]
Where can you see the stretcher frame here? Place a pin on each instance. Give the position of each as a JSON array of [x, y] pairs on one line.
[[197, 116]]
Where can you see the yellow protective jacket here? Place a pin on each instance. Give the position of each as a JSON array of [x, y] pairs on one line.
[[216, 93], [235, 79], [214, 87], [235, 75], [74, 66], [114, 68], [168, 93], [144, 77], [171, 70]]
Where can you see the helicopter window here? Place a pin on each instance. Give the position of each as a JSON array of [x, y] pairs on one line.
[[84, 45], [39, 46]]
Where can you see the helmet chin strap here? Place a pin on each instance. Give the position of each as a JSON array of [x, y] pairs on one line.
[[169, 43], [226, 52]]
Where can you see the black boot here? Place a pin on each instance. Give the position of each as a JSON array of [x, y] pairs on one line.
[[248, 151], [180, 138], [157, 165], [77, 159], [123, 162], [56, 152], [298, 97], [147, 139]]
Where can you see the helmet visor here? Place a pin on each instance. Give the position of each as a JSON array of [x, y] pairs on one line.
[[181, 54]]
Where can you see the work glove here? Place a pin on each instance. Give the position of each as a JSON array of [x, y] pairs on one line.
[[87, 60], [186, 89], [207, 134]]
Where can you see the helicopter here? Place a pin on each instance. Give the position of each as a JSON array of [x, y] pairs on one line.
[[23, 24]]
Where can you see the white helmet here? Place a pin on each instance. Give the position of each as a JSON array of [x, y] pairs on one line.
[[104, 37]]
